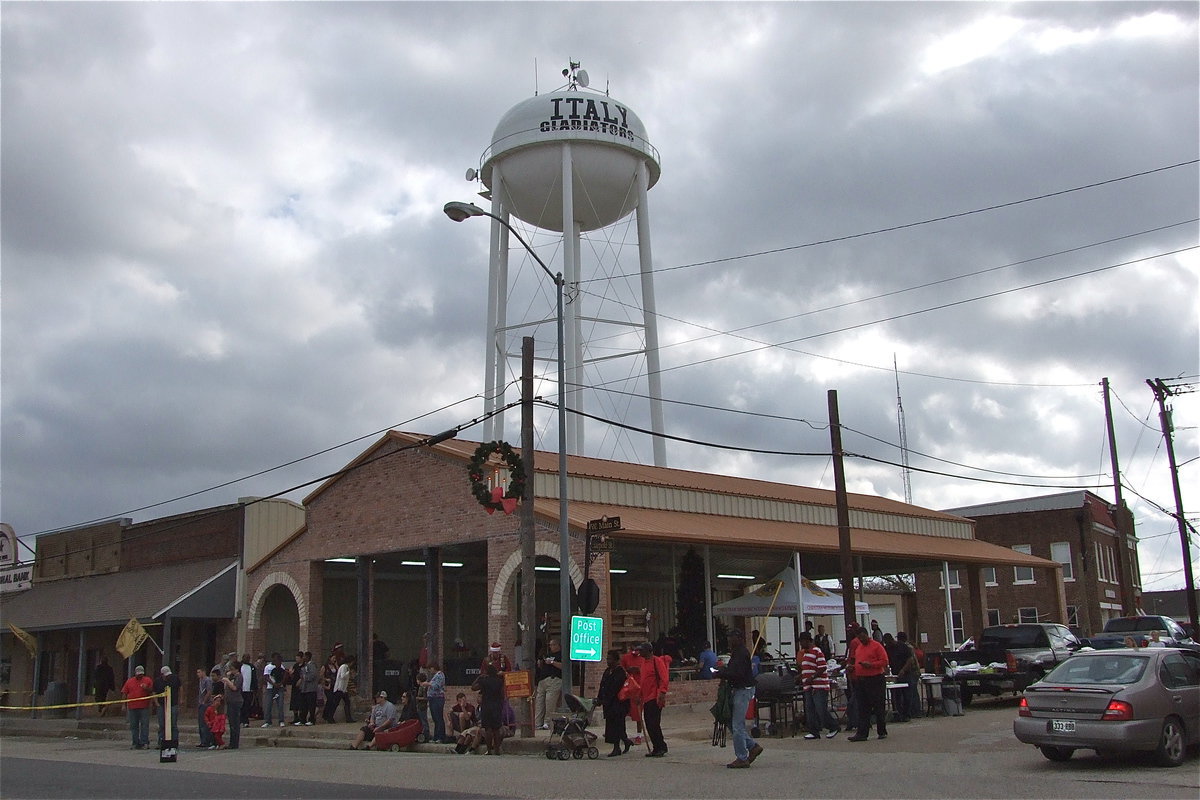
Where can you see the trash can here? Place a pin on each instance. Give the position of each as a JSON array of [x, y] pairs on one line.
[[56, 695], [951, 700]]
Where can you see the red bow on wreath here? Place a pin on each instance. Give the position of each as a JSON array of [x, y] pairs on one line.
[[507, 504]]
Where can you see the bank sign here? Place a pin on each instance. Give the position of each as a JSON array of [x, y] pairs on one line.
[[15, 579]]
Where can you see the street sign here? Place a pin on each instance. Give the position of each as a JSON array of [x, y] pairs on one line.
[[587, 639], [604, 524]]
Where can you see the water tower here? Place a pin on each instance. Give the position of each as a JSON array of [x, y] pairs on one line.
[[570, 162]]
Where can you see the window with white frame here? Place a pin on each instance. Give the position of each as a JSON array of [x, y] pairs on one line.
[[1072, 616], [954, 584], [956, 624], [1027, 615], [1023, 574], [989, 577], [993, 616], [1061, 552]]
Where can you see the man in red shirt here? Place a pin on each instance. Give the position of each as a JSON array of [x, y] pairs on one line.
[[869, 661], [653, 678], [138, 690]]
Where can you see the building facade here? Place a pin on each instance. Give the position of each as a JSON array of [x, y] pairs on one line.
[[1100, 576], [181, 577]]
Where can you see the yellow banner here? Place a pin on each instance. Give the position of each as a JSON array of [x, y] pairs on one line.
[[27, 639], [132, 638]]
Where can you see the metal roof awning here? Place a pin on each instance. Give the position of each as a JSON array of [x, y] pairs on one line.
[[883, 552], [197, 589]]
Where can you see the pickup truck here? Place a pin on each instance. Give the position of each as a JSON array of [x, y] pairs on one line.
[[1027, 651], [1170, 633]]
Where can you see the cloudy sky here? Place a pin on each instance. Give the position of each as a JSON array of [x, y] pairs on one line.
[[224, 250]]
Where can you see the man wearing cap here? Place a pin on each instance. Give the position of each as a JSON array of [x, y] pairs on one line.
[[382, 717], [654, 679], [167, 680], [138, 690], [496, 659], [741, 689]]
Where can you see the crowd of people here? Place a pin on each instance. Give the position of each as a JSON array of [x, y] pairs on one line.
[[237, 692]]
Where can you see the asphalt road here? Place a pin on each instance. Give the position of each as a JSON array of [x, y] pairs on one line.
[[974, 756]]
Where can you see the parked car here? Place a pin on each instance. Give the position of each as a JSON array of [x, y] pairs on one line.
[[1027, 651], [1170, 633], [1115, 701]]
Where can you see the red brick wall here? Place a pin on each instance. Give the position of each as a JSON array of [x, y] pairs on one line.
[[1037, 529]]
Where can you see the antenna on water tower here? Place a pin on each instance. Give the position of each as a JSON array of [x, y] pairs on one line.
[[571, 162]]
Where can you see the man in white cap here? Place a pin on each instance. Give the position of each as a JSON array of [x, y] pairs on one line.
[[138, 690], [382, 717], [166, 679]]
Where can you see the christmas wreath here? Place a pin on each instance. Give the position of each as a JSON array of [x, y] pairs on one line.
[[496, 498]]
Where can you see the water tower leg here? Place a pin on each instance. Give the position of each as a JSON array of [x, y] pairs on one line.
[[575, 387], [571, 276], [495, 360], [650, 319]]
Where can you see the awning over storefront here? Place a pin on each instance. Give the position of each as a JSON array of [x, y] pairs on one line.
[[195, 589], [882, 551]]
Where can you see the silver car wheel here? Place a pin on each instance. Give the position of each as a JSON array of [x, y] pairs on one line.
[[1171, 748]]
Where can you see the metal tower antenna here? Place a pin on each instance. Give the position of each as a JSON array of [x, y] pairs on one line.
[[903, 436]]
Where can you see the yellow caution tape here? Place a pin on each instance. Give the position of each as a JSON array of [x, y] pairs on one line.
[[82, 705]]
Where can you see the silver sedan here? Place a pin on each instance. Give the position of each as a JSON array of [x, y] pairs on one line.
[[1115, 701]]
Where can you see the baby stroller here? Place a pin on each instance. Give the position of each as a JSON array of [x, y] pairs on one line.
[[570, 736]]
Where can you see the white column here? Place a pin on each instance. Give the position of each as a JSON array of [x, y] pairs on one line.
[[650, 319], [571, 277], [496, 297]]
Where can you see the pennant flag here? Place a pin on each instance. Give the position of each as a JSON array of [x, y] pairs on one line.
[[132, 638], [27, 639]]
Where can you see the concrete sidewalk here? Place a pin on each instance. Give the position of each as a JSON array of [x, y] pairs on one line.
[[689, 722]]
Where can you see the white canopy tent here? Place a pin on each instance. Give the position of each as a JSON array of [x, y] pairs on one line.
[[813, 600]]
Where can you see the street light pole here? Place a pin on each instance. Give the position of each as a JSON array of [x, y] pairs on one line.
[[459, 212]]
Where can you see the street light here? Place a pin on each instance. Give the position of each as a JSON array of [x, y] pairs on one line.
[[462, 211]]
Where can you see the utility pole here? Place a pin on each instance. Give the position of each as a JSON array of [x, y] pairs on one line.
[[1124, 565], [846, 555], [1161, 393], [527, 615]]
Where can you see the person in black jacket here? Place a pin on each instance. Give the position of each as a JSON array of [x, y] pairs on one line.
[[741, 688], [615, 709]]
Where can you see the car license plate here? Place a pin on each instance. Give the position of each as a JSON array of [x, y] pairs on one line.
[[1062, 726], [973, 683]]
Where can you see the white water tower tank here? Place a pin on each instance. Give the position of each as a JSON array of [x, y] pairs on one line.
[[607, 145], [570, 162]]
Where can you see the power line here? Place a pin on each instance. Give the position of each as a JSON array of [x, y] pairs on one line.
[[761, 451], [903, 226], [192, 518], [248, 477], [939, 307], [733, 332], [980, 469]]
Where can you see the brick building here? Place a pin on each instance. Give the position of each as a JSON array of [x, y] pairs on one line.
[[396, 546], [1100, 578], [181, 577]]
